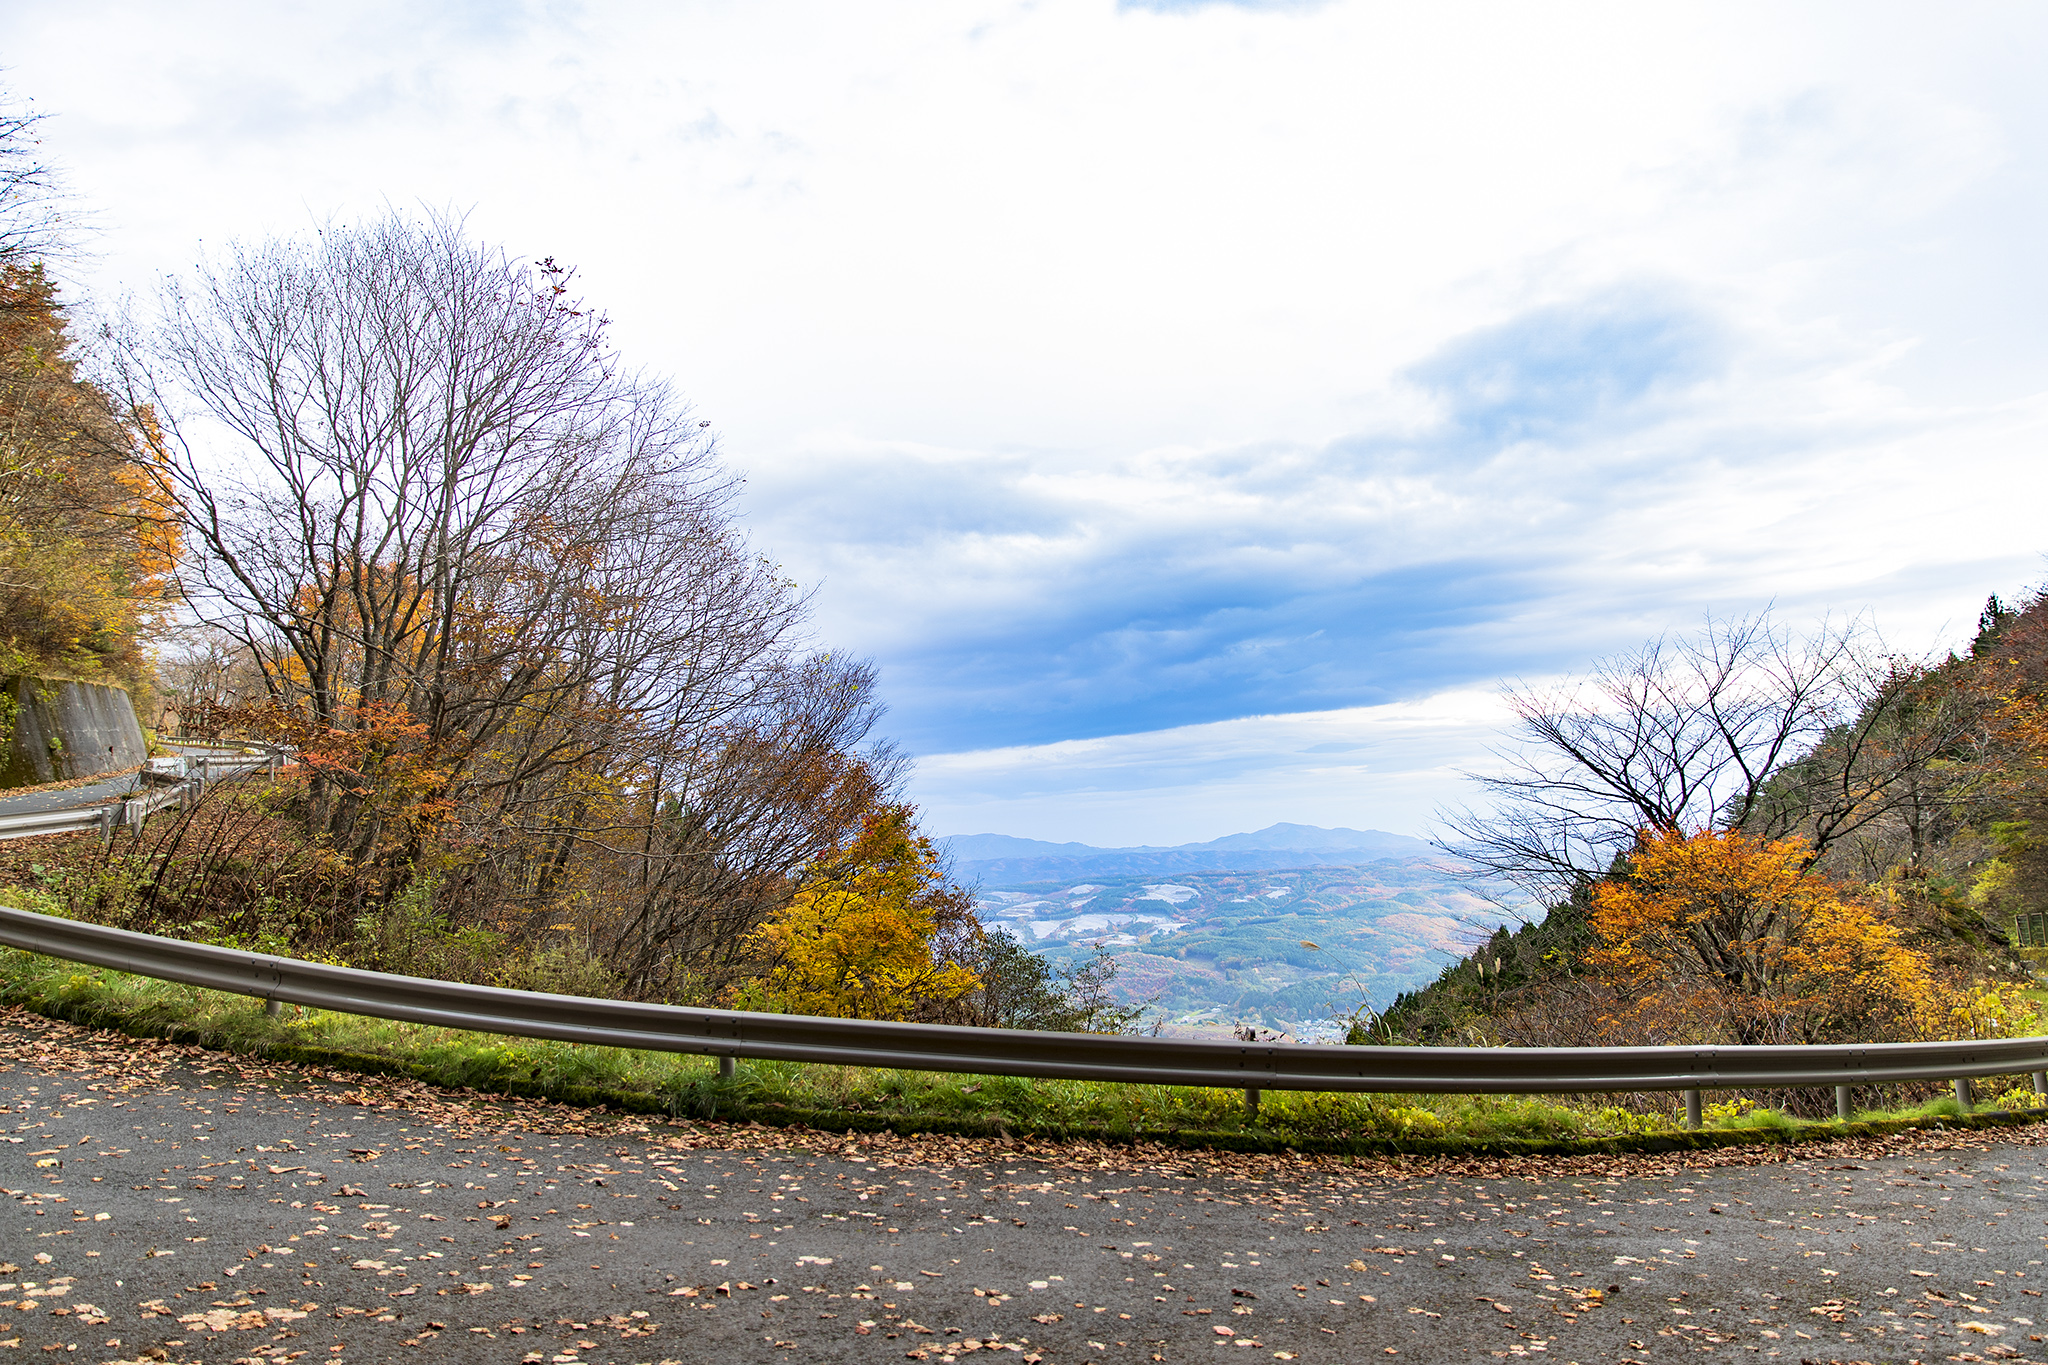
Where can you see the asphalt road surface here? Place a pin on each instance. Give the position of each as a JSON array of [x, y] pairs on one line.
[[69, 798], [166, 1203]]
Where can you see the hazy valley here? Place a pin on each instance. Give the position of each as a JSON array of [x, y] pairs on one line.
[[1285, 928]]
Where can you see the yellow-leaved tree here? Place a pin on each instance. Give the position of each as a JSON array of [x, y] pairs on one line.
[[1716, 937], [873, 932], [89, 539]]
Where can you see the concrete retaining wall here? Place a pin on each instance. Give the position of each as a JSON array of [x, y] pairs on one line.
[[60, 730]]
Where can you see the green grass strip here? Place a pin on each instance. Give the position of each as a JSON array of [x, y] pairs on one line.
[[838, 1099]]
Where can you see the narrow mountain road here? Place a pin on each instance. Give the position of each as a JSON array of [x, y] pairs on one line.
[[97, 791], [167, 1203], [69, 796]]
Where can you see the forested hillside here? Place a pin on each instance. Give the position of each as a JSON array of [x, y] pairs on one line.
[[1746, 836], [88, 537]]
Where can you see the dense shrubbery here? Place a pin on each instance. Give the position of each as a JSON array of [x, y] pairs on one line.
[[874, 930]]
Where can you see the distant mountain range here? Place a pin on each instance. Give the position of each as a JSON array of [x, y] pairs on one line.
[[1000, 859]]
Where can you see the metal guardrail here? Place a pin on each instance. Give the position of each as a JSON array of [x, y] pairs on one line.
[[54, 821], [1251, 1067]]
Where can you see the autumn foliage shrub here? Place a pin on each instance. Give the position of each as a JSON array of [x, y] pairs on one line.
[[867, 933], [1717, 937]]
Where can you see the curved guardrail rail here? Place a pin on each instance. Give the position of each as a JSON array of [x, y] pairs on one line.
[[99, 817], [1251, 1067]]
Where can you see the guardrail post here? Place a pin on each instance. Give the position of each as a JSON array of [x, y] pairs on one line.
[[1692, 1108], [1251, 1104], [1842, 1103], [1963, 1092], [2040, 1084], [726, 1068], [273, 1007]]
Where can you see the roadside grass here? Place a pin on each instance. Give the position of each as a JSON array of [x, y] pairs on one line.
[[840, 1097], [786, 1092]]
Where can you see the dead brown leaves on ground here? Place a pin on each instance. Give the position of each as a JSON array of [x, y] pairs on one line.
[[32, 1043]]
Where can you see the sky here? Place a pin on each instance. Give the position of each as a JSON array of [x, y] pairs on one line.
[[1199, 409]]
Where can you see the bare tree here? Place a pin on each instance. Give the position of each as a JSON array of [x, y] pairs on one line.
[[479, 555], [204, 673], [1741, 726], [740, 808], [419, 480], [33, 198]]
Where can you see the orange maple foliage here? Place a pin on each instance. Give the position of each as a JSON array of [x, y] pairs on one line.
[[1718, 937], [379, 758]]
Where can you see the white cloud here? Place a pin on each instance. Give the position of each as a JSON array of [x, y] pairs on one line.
[[1375, 767]]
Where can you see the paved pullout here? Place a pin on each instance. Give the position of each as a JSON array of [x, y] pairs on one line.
[[166, 1203]]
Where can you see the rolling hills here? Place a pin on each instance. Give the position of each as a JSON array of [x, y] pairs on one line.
[[1287, 928]]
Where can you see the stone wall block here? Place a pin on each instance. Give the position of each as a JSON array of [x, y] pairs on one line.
[[63, 729]]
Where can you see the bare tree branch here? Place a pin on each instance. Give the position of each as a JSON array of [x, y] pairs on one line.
[[1741, 726], [35, 221]]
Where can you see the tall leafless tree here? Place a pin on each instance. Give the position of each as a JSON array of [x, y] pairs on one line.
[[419, 478], [1740, 726], [39, 216]]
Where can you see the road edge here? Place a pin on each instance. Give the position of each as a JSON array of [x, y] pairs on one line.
[[726, 1103]]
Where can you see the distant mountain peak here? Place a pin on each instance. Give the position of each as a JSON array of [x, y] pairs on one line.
[[980, 847], [1277, 846], [1278, 837], [1290, 836]]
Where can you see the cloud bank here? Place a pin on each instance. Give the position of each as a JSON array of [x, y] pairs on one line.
[[1166, 375]]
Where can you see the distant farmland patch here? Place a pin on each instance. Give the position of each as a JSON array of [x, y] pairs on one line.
[[1232, 947]]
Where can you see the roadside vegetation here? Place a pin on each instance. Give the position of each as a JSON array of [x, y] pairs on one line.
[[842, 1098], [389, 497], [1747, 837]]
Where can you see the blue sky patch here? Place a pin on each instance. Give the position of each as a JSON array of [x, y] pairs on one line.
[[1556, 371]]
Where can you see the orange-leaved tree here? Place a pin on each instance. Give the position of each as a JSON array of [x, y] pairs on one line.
[[871, 932], [381, 758], [1719, 937]]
